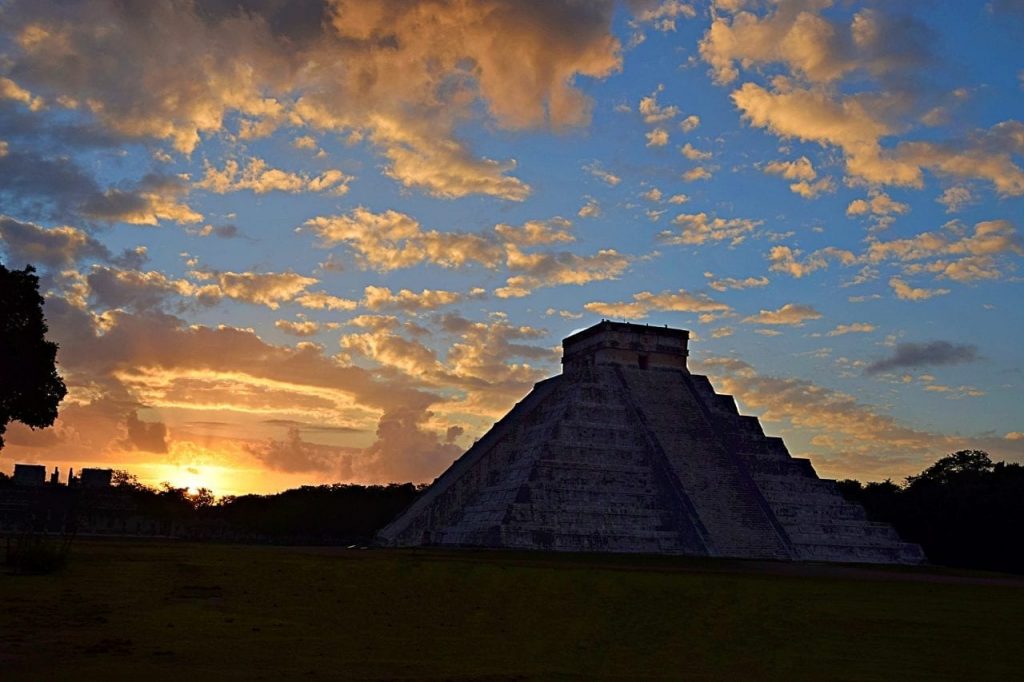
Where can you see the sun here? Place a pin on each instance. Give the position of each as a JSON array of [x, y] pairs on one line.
[[192, 478]]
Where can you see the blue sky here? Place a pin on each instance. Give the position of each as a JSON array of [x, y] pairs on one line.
[[334, 241]]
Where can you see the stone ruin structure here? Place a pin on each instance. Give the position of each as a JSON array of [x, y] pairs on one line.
[[627, 451]]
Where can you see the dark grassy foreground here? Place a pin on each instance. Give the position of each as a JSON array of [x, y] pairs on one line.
[[137, 610]]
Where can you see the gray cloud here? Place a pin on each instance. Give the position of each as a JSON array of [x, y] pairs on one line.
[[58, 188], [44, 131], [44, 187], [296, 455], [27, 243], [924, 354], [148, 436]]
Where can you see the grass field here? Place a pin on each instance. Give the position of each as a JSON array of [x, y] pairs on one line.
[[153, 611]]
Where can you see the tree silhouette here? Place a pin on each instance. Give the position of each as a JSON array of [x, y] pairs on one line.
[[960, 464], [964, 510], [30, 388]]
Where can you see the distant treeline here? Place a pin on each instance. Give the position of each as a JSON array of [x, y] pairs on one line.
[[964, 510], [324, 514], [349, 514]]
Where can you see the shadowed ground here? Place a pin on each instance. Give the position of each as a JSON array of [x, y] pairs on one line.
[[166, 610]]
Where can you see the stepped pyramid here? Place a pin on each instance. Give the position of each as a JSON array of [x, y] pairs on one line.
[[627, 451]]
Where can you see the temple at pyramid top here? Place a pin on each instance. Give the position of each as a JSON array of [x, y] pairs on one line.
[[622, 343], [627, 451]]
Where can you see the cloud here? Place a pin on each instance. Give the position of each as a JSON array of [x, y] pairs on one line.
[[856, 124], [547, 269], [114, 287], [111, 287], [953, 253], [601, 174], [657, 137], [269, 65], [145, 436], [378, 298], [300, 328], [695, 174], [800, 169], [536, 232], [905, 292], [645, 302], [405, 449], [391, 240], [443, 167], [127, 359], [880, 204], [319, 300], [726, 283], [152, 199], [591, 209], [664, 15], [56, 247], [488, 364], [984, 154], [484, 352], [809, 190], [812, 47], [394, 352], [689, 123], [699, 228], [955, 198], [69, 193], [854, 328], [12, 91], [802, 172], [931, 353], [269, 289], [789, 314], [694, 154], [652, 112], [851, 123], [296, 455], [784, 259], [259, 178], [227, 231]]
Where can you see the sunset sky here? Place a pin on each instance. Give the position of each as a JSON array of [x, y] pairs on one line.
[[326, 240]]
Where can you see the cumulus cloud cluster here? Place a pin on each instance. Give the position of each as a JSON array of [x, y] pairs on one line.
[[391, 240], [953, 253], [818, 53], [403, 75]]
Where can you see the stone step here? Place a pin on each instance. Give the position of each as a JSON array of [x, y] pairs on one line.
[[860, 554], [843, 531]]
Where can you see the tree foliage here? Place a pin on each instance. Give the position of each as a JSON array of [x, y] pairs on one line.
[[323, 514], [30, 388], [964, 510]]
